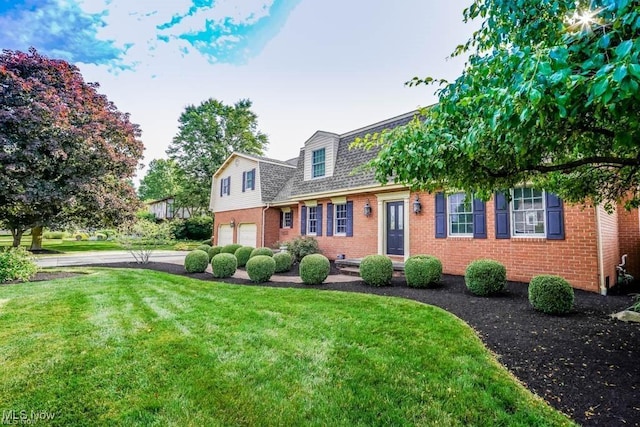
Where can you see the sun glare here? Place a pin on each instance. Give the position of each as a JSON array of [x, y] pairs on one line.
[[583, 19]]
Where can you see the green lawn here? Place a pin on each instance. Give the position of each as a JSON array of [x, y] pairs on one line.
[[135, 347], [70, 245]]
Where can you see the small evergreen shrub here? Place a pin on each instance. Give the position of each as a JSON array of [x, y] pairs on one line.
[[551, 294], [230, 249], [203, 248], [243, 254], [207, 242], [283, 261], [262, 251], [376, 270], [485, 277], [198, 227], [421, 271], [213, 251], [260, 268], [80, 236], [314, 269], [302, 246], [100, 236], [54, 234], [16, 264], [224, 265], [196, 261]]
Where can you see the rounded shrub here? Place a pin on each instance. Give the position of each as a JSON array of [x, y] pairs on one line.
[[243, 254], [207, 242], [485, 277], [376, 270], [260, 268], [283, 261], [224, 265], [314, 269], [16, 264], [196, 261], [551, 294], [421, 271], [100, 236], [213, 251], [262, 251], [203, 248], [230, 249]]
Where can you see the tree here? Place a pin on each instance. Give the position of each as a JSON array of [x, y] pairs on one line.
[[66, 151], [160, 181], [207, 135], [549, 95]]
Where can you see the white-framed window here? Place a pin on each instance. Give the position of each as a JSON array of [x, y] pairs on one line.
[[528, 212], [312, 220], [340, 219], [287, 219], [318, 163], [460, 214], [225, 186]]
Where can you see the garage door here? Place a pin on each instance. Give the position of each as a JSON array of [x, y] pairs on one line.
[[225, 235], [247, 234]]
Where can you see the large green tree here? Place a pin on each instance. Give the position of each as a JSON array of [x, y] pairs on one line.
[[207, 135], [549, 95], [66, 151], [161, 180]]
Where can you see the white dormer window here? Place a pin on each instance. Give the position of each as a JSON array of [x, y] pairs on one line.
[[318, 163]]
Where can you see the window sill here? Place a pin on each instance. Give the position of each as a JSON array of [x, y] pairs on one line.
[[464, 237]]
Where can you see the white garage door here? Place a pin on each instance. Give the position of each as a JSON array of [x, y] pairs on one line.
[[225, 235], [247, 234]]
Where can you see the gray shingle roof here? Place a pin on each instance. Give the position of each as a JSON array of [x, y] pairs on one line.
[[266, 159], [273, 177]]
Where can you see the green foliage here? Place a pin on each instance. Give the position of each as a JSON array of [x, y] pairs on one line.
[[55, 234], [80, 235], [144, 214], [213, 251], [100, 236], [224, 265], [199, 227], [485, 277], [243, 254], [283, 260], [16, 264], [551, 294], [207, 242], [143, 237], [302, 246], [541, 100], [376, 270], [314, 269], [204, 248], [109, 232], [196, 261], [230, 248], [421, 271], [262, 251], [260, 268], [160, 180]]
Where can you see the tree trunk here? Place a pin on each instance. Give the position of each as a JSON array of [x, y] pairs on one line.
[[17, 236], [36, 238]]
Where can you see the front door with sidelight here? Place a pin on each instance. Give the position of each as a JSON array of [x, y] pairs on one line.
[[395, 228]]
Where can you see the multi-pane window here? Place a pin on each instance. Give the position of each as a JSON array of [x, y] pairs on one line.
[[341, 219], [287, 219], [225, 188], [527, 212], [317, 163], [250, 179], [312, 220], [460, 214]]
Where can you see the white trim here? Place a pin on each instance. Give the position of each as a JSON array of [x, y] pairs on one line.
[[383, 199], [449, 232], [542, 235]]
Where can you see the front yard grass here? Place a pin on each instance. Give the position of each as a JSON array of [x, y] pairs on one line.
[[70, 245], [136, 347]]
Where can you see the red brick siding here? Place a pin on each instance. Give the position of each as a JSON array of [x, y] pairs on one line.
[[286, 234], [629, 238], [609, 242], [241, 216]]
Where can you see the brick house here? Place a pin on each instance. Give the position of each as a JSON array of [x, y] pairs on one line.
[[259, 201]]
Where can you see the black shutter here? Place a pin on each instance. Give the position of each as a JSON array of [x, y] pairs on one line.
[[244, 181], [349, 219], [253, 178], [329, 219], [228, 186], [479, 219], [221, 186], [319, 220], [441, 216], [502, 215], [555, 217], [303, 220], [281, 219]]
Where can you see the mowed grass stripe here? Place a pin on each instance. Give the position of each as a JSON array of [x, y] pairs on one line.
[[134, 347]]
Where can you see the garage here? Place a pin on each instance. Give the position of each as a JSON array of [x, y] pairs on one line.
[[225, 235], [247, 235]]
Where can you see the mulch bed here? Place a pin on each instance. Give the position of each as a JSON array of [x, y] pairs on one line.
[[585, 364]]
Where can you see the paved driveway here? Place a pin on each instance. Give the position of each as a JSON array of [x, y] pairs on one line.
[[106, 257]]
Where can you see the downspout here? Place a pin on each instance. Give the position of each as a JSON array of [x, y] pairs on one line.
[[603, 289], [264, 211]]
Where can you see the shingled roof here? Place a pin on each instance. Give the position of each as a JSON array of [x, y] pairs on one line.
[[273, 178]]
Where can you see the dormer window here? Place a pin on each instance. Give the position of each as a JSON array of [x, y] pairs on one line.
[[318, 163]]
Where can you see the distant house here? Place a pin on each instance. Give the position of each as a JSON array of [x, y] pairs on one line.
[[259, 201], [164, 209]]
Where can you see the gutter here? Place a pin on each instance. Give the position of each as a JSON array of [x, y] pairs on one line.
[[264, 211], [600, 249]]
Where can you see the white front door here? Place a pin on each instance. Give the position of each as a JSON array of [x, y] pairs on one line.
[[225, 235], [247, 235]]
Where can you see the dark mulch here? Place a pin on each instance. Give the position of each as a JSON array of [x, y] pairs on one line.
[[584, 364]]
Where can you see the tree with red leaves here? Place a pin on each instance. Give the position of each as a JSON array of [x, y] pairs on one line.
[[66, 152]]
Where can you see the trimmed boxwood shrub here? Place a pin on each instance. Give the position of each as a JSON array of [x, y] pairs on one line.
[[196, 261], [203, 248], [243, 254], [485, 277], [230, 249], [551, 294], [260, 268], [314, 269], [422, 271], [376, 270], [283, 261], [213, 251], [262, 251], [224, 265], [16, 264]]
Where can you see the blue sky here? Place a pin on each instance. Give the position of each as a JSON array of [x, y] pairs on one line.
[[307, 65]]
